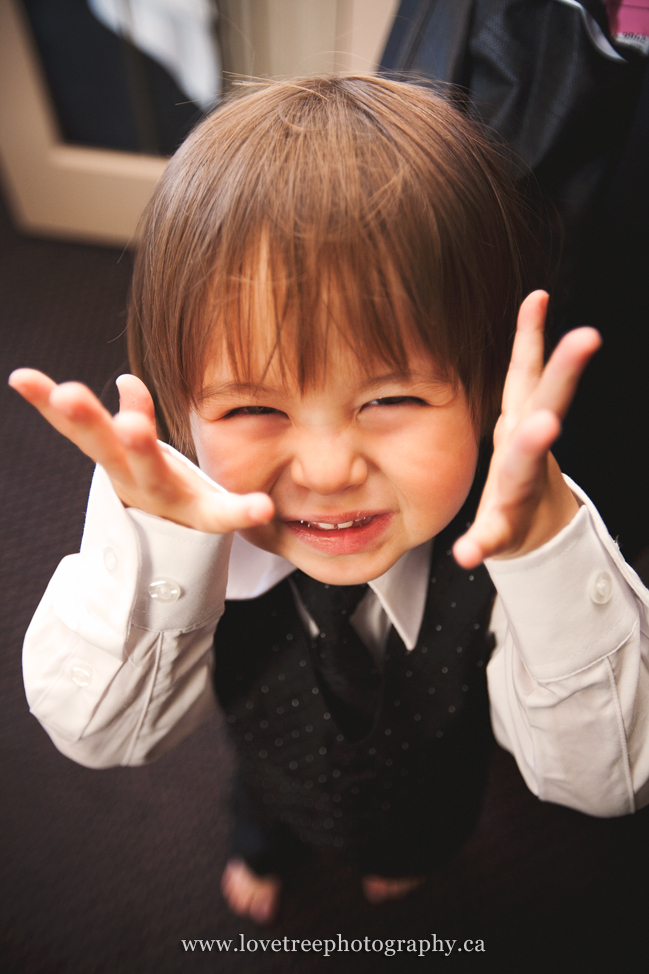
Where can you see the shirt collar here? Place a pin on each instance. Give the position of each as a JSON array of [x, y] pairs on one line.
[[402, 590]]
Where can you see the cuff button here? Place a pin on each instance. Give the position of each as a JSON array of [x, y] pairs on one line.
[[111, 561], [164, 590], [600, 588], [81, 674]]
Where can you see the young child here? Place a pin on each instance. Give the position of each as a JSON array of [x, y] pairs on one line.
[[323, 311]]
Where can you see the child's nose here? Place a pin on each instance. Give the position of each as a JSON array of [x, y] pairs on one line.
[[326, 465]]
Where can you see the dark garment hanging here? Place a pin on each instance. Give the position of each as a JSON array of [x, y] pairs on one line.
[[532, 72]]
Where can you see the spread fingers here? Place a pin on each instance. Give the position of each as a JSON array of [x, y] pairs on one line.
[[561, 375], [526, 362], [73, 410]]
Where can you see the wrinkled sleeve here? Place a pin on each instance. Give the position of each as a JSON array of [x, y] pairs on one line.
[[568, 681], [118, 657]]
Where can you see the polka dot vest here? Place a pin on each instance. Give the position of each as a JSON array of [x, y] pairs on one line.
[[407, 793]]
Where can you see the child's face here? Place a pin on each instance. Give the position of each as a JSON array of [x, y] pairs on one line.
[[360, 469]]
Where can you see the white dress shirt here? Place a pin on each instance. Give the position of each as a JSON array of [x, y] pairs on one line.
[[118, 658]]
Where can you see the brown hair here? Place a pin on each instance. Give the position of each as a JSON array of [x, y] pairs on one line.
[[376, 191]]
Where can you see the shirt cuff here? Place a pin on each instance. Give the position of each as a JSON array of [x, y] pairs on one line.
[[183, 574], [135, 568], [567, 603]]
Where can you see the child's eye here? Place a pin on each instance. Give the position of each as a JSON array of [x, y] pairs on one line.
[[250, 411], [396, 401]]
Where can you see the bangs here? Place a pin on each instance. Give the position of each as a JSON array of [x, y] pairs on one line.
[[291, 316], [356, 208]]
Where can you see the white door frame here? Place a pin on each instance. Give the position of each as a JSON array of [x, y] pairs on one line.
[[97, 195]]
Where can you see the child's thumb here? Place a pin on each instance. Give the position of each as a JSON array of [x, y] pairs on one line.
[[234, 512]]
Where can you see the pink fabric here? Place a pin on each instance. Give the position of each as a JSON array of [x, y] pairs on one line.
[[628, 16]]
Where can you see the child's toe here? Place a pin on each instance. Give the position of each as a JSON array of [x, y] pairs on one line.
[[248, 894], [263, 906], [377, 889]]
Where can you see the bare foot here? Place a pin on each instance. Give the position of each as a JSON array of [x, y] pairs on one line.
[[248, 894], [377, 889]]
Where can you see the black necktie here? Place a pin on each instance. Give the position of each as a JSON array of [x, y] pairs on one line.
[[345, 671]]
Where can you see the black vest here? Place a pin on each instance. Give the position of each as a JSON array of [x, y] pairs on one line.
[[406, 795]]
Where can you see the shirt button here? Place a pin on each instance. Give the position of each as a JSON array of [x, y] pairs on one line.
[[164, 590], [111, 560], [600, 588], [81, 674]]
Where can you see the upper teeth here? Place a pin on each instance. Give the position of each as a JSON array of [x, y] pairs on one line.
[[327, 527]]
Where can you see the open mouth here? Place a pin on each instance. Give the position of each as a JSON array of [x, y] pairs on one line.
[[360, 522], [344, 535]]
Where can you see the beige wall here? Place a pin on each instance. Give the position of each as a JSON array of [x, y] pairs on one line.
[[286, 38]]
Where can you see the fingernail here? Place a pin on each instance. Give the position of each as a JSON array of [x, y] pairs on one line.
[[125, 437], [66, 408], [258, 510]]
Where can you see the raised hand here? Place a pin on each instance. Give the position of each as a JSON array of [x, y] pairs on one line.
[[525, 501], [143, 474]]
